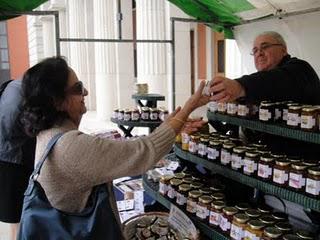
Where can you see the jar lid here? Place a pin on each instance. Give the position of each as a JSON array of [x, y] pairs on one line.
[[261, 152], [267, 219], [218, 204], [253, 213], [218, 196], [196, 185], [258, 146], [266, 158], [205, 190], [242, 206], [127, 110], [204, 139], [187, 180], [289, 104], [282, 162], [265, 209], [310, 163], [214, 134], [205, 199], [256, 224], [145, 109], [314, 171], [184, 187], [290, 237], [121, 110], [239, 149], [252, 154], [283, 226], [217, 187], [154, 109], [194, 194], [162, 223], [294, 159], [215, 142], [166, 177], [241, 218], [186, 174], [175, 182], [195, 178], [309, 109], [228, 145], [179, 175], [272, 232], [298, 166], [230, 210], [195, 137], [278, 156], [266, 104], [305, 234], [295, 107]]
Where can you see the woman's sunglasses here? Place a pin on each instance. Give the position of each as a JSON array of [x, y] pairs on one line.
[[76, 89]]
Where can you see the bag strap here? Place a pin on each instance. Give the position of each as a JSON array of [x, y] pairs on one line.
[[48, 149], [4, 85]]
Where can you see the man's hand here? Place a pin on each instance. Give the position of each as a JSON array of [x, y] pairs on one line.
[[226, 90]]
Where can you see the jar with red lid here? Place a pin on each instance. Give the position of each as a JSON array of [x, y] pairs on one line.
[[297, 176], [226, 152], [265, 167], [237, 158], [226, 218], [216, 212], [281, 172], [313, 182]]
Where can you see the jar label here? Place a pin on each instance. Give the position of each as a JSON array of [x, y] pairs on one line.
[[213, 106], [225, 157], [171, 192], [232, 108], [250, 236], [135, 116], [153, 116], [280, 176], [293, 119], [264, 171], [191, 206], [213, 154], [163, 188], [181, 199], [308, 122], [243, 110], [313, 186], [144, 115], [185, 138], [222, 107], [202, 149], [285, 115], [126, 117], [202, 212], [264, 114], [193, 147], [214, 218], [236, 161], [225, 225], [296, 180], [236, 232], [250, 166]]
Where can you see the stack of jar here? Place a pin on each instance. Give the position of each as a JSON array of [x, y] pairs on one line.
[[256, 161], [145, 114]]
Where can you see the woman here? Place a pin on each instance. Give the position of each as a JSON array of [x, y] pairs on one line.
[[54, 103]]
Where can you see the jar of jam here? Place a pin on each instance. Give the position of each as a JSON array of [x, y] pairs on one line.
[[135, 115], [127, 115], [120, 114], [217, 187], [266, 111], [242, 207], [278, 106], [271, 233], [294, 116], [284, 227], [297, 176], [232, 108], [252, 213], [196, 185], [244, 110], [203, 207], [290, 237], [164, 183], [250, 163], [215, 213], [226, 152], [313, 182], [185, 138], [213, 149], [179, 175], [187, 180], [213, 106], [163, 114], [154, 114], [193, 143], [258, 146], [115, 113], [205, 191], [178, 138], [293, 159], [265, 167], [222, 107], [237, 158], [218, 196], [281, 172], [173, 187], [202, 147], [309, 117], [305, 235], [254, 230], [238, 226], [145, 113], [227, 218], [192, 201], [286, 105], [280, 216], [182, 194], [264, 209], [268, 220]]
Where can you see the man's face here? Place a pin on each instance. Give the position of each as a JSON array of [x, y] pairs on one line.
[[267, 52]]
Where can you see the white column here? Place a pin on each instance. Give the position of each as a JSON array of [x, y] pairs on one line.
[[105, 57], [49, 43], [151, 57]]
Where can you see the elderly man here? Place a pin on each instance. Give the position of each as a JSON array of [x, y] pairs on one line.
[[279, 77]]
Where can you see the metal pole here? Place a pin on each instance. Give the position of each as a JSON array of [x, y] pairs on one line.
[[119, 18], [57, 27], [173, 64]]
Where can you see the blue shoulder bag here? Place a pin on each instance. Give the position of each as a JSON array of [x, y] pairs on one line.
[[40, 220]]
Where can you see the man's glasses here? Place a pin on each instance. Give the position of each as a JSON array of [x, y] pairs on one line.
[[263, 47], [76, 89]]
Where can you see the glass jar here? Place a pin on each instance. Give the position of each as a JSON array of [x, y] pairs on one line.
[[226, 152], [253, 213], [237, 158], [305, 235], [286, 105], [284, 227], [127, 115], [193, 143], [293, 159], [266, 111], [281, 172], [280, 216], [278, 106], [196, 185], [218, 196], [185, 138], [297, 176], [251, 160], [145, 113], [182, 194], [202, 147], [309, 119], [205, 191], [222, 107], [173, 188], [164, 183], [115, 113], [232, 108], [294, 116], [242, 207], [254, 230], [271, 233], [244, 110], [192, 201], [203, 207], [227, 218], [264, 209], [265, 167], [290, 237], [213, 106], [135, 115], [163, 114], [213, 149], [238, 226], [313, 182], [120, 114], [217, 187], [268, 220], [215, 213], [187, 180], [154, 114], [179, 175]]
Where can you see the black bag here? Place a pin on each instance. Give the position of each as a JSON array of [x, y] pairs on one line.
[[4, 85], [40, 220]]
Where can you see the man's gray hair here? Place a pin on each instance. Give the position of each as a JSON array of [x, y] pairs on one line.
[[274, 35]]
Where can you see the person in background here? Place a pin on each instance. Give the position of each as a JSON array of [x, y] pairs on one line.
[[54, 103], [16, 157]]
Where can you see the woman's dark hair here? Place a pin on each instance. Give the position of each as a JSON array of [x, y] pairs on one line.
[[43, 87]]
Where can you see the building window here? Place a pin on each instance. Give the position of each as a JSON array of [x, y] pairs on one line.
[[4, 54]]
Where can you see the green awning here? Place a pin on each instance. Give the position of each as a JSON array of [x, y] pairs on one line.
[[7, 6], [219, 14]]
